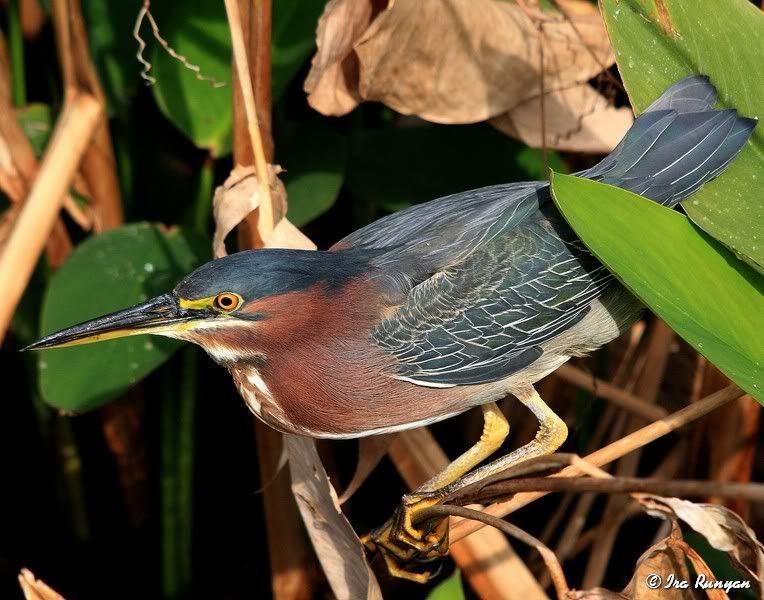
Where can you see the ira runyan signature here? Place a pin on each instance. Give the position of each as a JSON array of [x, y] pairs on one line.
[[701, 582]]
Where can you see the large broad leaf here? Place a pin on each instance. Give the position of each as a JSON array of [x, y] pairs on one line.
[[394, 168], [198, 31], [314, 156], [292, 40], [658, 42], [705, 294], [114, 270]]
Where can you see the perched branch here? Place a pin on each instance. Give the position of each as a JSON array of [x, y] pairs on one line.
[[609, 453]]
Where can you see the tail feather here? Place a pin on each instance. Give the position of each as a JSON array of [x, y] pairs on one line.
[[678, 144]]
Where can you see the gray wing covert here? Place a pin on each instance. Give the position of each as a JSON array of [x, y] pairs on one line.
[[486, 317]]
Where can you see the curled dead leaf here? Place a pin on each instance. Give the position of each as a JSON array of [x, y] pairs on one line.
[[464, 61], [577, 119], [338, 548], [239, 195], [723, 529], [664, 559]]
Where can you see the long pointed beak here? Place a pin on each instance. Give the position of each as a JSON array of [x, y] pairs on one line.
[[158, 315]]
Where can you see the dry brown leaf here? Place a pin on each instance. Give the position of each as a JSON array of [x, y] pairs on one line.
[[723, 529], [337, 546], [333, 79], [464, 61], [577, 119], [287, 235], [239, 196], [664, 559], [36, 589], [370, 452]]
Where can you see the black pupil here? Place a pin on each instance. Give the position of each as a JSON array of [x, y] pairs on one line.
[[226, 301]]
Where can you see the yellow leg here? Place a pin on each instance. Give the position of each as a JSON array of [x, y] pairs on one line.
[[400, 541], [550, 436], [495, 431]]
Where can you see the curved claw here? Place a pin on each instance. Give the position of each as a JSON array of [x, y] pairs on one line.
[[400, 542]]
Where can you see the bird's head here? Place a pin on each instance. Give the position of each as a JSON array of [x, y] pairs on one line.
[[223, 306]]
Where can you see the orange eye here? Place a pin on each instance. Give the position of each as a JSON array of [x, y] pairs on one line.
[[227, 301]]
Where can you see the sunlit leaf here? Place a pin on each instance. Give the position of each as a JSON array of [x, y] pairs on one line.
[[658, 43], [704, 293], [105, 273]]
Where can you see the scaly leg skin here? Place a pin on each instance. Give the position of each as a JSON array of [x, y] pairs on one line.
[[400, 540]]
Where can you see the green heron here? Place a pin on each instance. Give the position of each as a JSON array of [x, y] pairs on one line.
[[428, 312]]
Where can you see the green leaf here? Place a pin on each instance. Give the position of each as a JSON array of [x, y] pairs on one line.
[[448, 589], [394, 168], [36, 121], [691, 281], [314, 156], [293, 38], [199, 32], [724, 40], [105, 273]]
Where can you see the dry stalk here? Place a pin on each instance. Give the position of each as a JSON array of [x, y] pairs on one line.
[[265, 223], [71, 137], [98, 165], [609, 453], [288, 551]]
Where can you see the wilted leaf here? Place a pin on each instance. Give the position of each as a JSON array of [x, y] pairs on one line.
[[333, 79], [691, 281], [654, 567], [463, 61], [724, 40], [314, 156], [105, 273], [723, 529], [370, 451], [576, 119], [239, 196], [337, 546]]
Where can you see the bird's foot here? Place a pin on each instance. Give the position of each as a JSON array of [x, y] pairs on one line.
[[405, 544]]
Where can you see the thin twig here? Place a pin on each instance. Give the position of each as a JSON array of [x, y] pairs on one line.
[[613, 451], [555, 569], [265, 208], [620, 485]]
